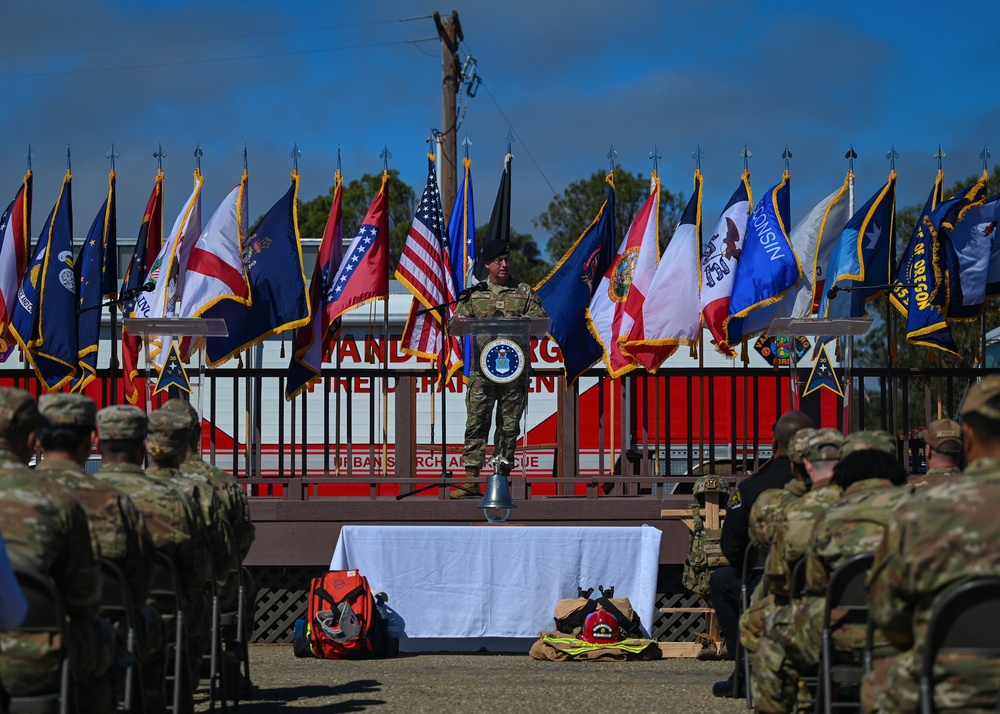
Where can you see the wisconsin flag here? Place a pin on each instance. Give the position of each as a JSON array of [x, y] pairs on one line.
[[719, 261], [614, 307], [425, 269], [272, 258], [167, 272], [671, 312], [311, 340], [860, 258], [96, 278], [768, 266], [363, 276], [44, 322], [568, 289], [147, 245], [15, 240]]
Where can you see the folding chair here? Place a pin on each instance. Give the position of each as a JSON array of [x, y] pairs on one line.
[[166, 591], [216, 670], [118, 608], [847, 594], [753, 564], [234, 624], [46, 615], [960, 624]]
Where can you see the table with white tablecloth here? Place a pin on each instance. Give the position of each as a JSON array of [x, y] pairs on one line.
[[466, 587]]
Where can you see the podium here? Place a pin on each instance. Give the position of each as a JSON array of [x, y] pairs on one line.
[[502, 355], [168, 329]]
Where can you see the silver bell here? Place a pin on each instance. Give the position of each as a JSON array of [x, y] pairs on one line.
[[497, 497]]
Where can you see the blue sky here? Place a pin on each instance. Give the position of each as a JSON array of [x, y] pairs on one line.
[[817, 76]]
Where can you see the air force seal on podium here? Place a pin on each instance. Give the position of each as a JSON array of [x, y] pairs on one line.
[[502, 361]]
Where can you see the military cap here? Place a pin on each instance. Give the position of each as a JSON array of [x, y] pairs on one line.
[[17, 410], [122, 422], [493, 249], [68, 409], [876, 440], [168, 434], [184, 407], [945, 436], [979, 397], [799, 443], [823, 445]]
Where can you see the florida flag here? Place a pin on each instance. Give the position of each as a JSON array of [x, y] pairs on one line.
[[718, 263], [671, 311], [619, 298], [15, 237]]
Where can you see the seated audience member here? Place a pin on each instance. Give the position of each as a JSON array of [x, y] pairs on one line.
[[944, 535], [942, 451], [13, 606]]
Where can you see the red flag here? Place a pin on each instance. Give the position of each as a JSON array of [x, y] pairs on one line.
[[424, 268], [363, 275], [147, 246]]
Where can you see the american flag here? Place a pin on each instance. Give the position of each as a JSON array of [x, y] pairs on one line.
[[424, 268]]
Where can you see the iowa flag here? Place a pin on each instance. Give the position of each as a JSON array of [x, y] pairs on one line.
[[567, 290], [311, 340], [671, 312], [768, 266], [272, 258], [719, 261], [613, 309]]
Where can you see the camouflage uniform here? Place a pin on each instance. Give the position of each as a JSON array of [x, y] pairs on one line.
[[515, 299], [765, 517], [943, 436], [938, 539], [791, 538], [46, 530]]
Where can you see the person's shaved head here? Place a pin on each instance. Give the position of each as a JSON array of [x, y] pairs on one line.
[[786, 426]]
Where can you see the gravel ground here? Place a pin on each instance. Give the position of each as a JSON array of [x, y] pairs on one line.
[[479, 684]]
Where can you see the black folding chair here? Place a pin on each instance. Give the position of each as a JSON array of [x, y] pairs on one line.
[[848, 595], [46, 615], [118, 608], [166, 592], [961, 623], [753, 564], [216, 667]]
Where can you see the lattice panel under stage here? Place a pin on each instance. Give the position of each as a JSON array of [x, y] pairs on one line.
[[282, 595]]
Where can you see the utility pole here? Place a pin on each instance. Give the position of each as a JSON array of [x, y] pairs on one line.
[[450, 34]]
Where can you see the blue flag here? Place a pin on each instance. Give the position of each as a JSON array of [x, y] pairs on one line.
[[272, 257], [969, 245], [97, 261], [860, 258], [566, 291], [44, 322], [768, 267], [462, 237]]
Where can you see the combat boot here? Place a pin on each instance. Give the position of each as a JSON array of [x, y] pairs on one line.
[[470, 489]]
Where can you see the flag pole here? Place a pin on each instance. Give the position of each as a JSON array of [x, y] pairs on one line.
[[891, 155], [746, 154], [794, 398], [698, 155], [113, 309], [985, 155], [338, 176], [851, 155], [385, 155]]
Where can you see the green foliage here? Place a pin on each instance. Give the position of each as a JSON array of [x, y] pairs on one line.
[[569, 215], [358, 195]]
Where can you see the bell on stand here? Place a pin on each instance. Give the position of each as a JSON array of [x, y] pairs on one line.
[[496, 504]]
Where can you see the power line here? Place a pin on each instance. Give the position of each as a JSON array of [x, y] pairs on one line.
[[238, 58], [178, 41]]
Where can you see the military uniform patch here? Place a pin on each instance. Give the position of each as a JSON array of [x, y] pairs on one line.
[[734, 499]]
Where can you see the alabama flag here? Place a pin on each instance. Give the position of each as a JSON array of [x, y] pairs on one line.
[[718, 263], [671, 312], [622, 291]]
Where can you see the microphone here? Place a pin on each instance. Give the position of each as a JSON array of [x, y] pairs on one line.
[[147, 288], [478, 287], [833, 292]]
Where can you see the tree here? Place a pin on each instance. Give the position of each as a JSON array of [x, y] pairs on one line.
[[569, 215], [358, 195], [527, 263]]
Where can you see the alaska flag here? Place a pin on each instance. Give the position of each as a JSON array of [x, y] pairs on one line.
[[860, 258], [567, 290], [499, 227], [462, 235], [272, 258], [44, 323], [311, 340], [95, 268], [768, 267], [147, 247]]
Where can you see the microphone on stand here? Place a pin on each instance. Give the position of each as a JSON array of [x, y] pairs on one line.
[[478, 287], [833, 292]]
